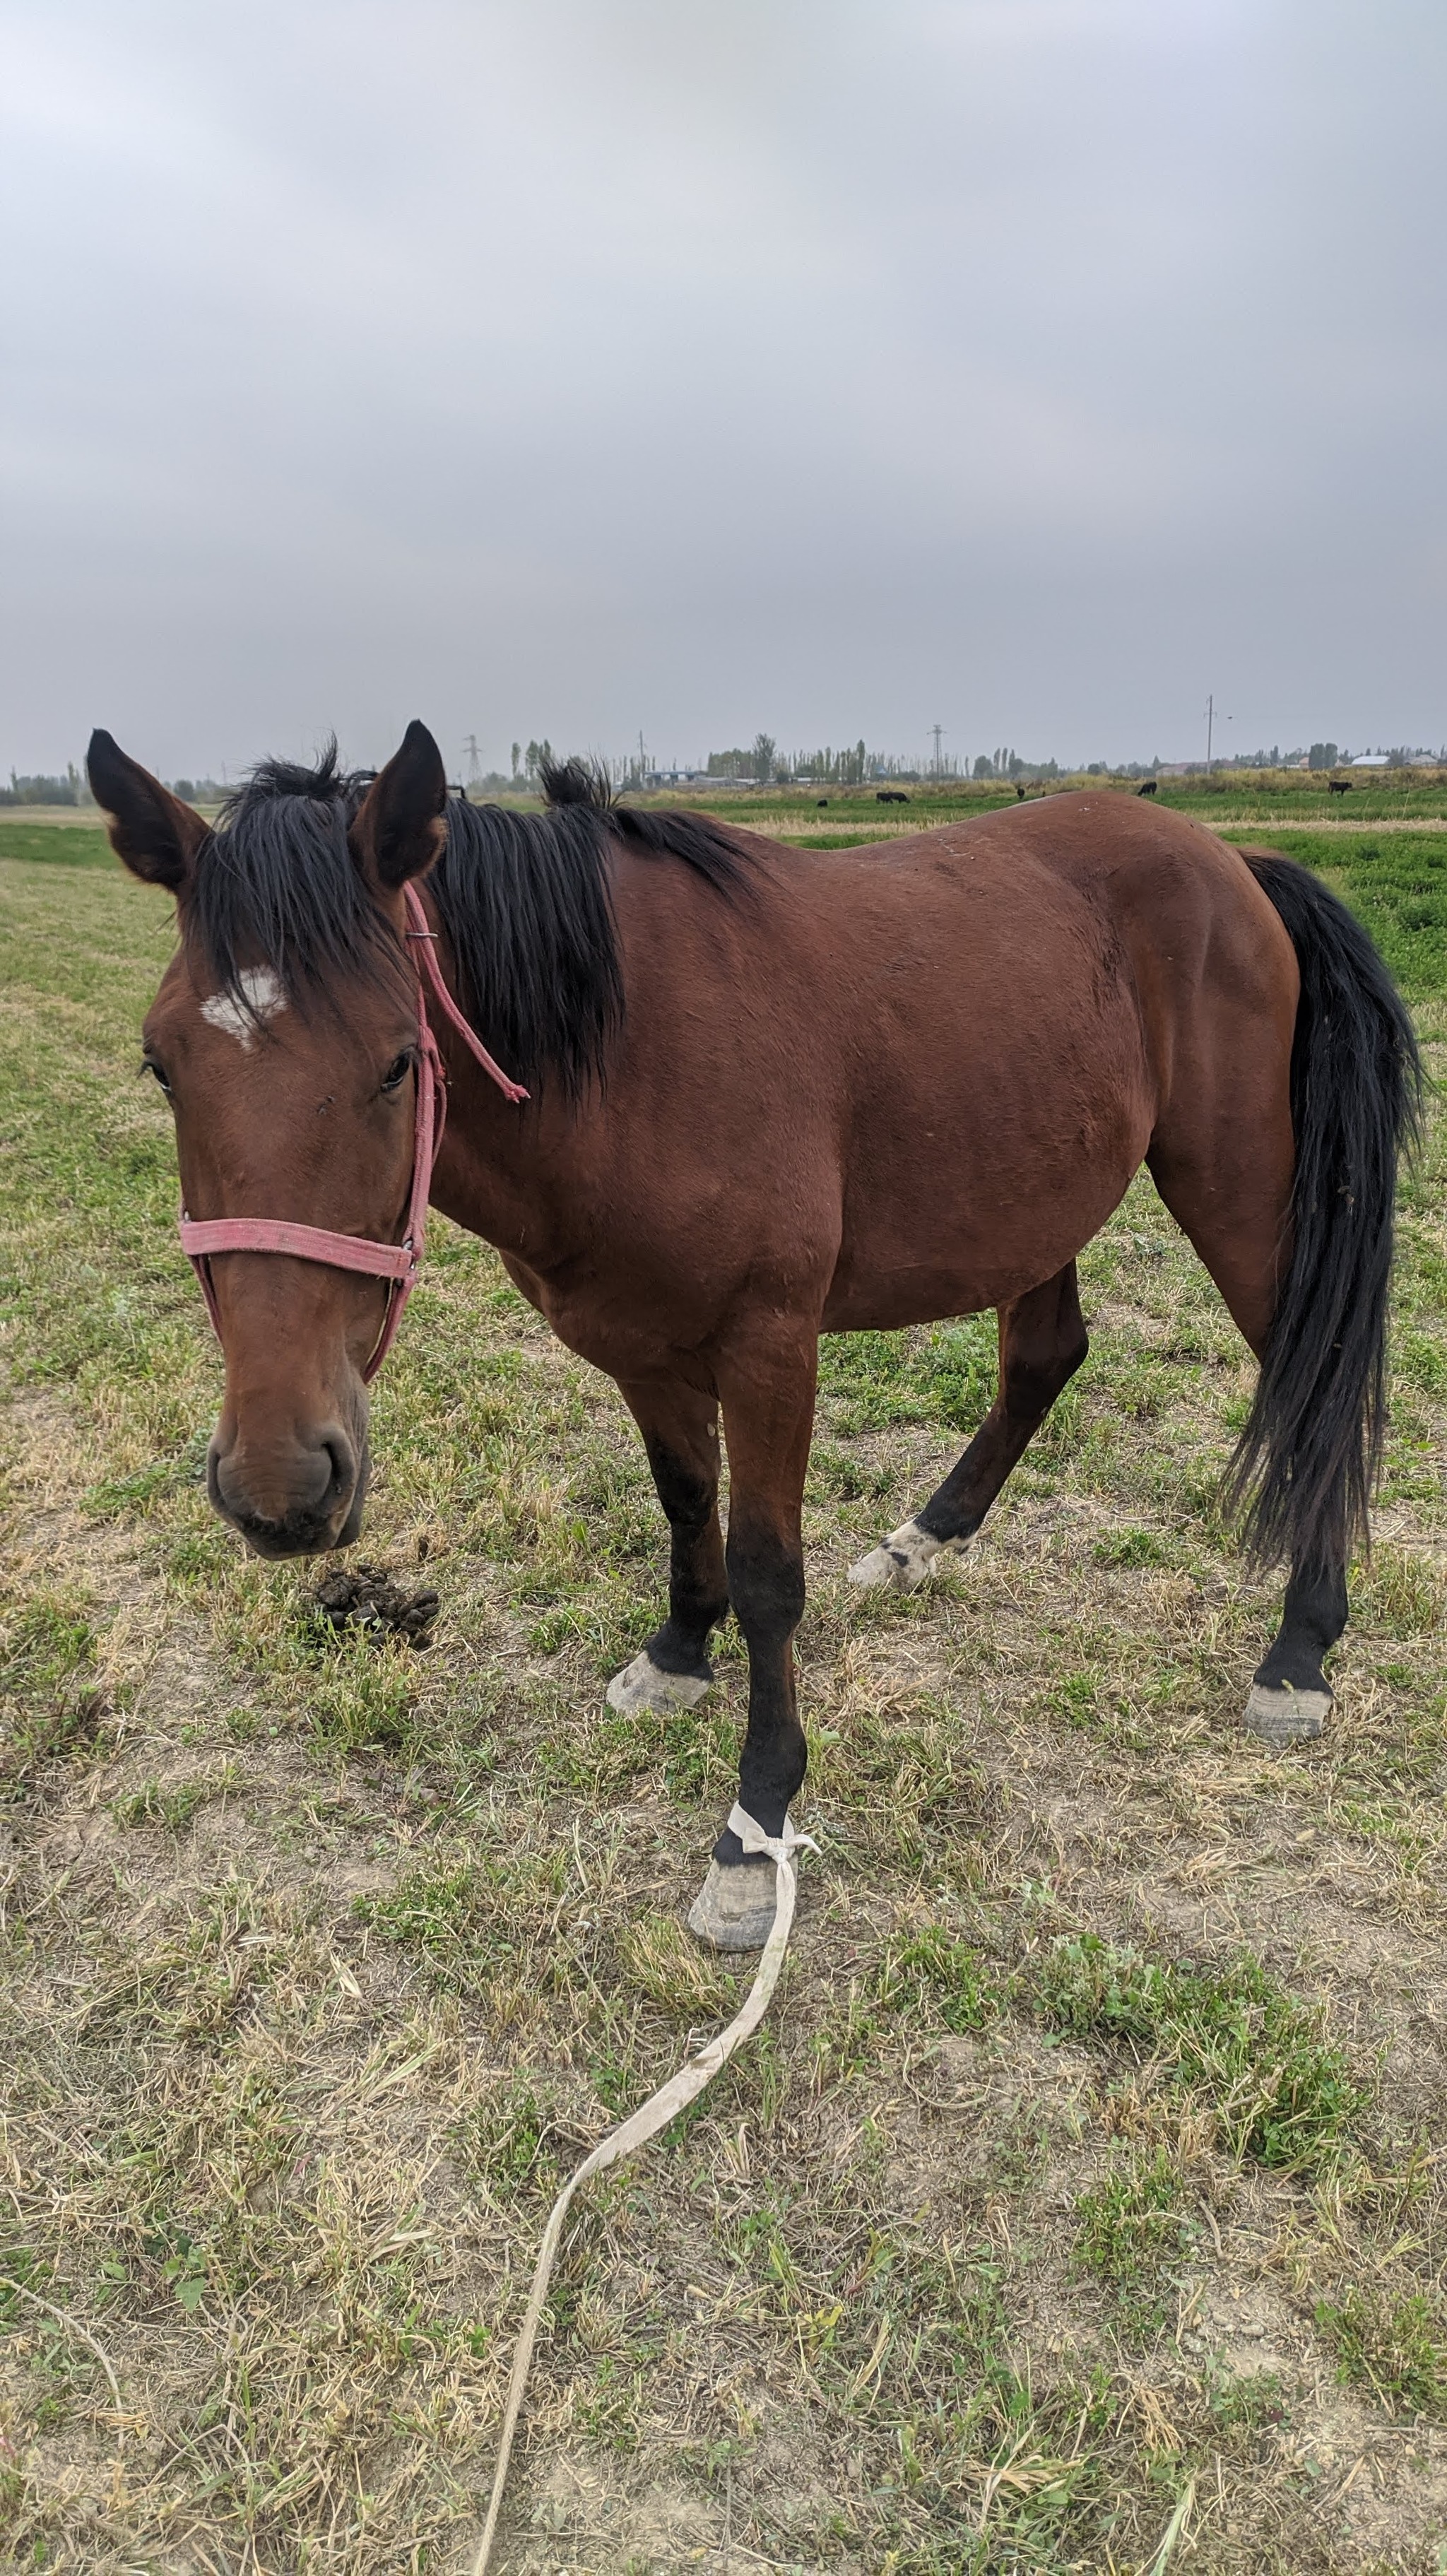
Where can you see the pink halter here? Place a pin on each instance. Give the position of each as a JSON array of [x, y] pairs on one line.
[[398, 1263]]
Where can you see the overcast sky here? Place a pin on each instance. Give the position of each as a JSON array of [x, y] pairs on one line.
[[831, 367]]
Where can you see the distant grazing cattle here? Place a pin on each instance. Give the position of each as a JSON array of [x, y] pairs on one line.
[[1019, 792], [890, 796], [1338, 787], [821, 802], [1147, 787]]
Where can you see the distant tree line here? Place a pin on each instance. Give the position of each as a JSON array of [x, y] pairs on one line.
[[72, 789], [761, 763], [766, 765], [69, 790], [1008, 764], [1325, 755]]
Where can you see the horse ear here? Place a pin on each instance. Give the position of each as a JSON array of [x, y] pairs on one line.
[[150, 829], [399, 828]]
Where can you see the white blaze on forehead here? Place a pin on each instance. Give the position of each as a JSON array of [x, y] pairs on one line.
[[264, 996]]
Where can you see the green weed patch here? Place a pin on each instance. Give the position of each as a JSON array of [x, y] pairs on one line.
[[944, 1374], [49, 1704], [1395, 2347], [929, 1977], [1130, 2228], [483, 1928], [153, 1805], [1282, 2091]]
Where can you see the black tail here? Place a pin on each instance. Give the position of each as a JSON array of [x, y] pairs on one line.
[[1308, 1456]]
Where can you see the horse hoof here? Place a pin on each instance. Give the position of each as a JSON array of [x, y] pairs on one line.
[[734, 1909], [1282, 1717], [900, 1563], [643, 1684]]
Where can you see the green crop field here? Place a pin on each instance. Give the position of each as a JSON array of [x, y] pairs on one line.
[[67, 845], [1081, 2205]]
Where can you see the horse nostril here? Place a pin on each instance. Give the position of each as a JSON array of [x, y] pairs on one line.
[[315, 1478], [342, 1461]]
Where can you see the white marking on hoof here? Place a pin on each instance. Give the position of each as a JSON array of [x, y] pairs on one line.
[[642, 1684], [734, 1909], [902, 1561], [261, 986], [1282, 1716]]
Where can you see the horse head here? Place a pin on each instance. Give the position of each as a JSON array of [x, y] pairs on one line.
[[287, 1037]]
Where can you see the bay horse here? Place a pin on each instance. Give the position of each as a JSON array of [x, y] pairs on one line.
[[774, 1093]]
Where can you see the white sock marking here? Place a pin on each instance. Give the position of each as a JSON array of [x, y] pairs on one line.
[[901, 1562]]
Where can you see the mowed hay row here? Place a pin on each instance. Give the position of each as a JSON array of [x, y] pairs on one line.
[[1085, 2185]]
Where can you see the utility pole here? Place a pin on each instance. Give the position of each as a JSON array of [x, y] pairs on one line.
[[937, 731], [1210, 727], [642, 758], [474, 764]]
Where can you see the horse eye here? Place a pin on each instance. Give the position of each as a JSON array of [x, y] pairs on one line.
[[397, 1071], [149, 1065]]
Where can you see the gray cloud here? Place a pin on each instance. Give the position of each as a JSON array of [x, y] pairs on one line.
[[574, 365]]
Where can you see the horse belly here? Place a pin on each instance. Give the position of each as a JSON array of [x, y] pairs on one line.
[[989, 1164]]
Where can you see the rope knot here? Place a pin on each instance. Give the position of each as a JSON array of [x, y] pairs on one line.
[[777, 1846]]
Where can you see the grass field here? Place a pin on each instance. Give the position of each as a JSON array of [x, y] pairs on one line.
[[1082, 2205]]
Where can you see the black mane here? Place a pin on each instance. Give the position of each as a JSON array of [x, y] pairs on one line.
[[524, 899], [526, 904], [276, 882]]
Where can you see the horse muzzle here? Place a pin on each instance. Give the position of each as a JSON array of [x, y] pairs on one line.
[[299, 1498]]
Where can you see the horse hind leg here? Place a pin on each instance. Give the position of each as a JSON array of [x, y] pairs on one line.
[[1238, 1230], [1230, 1191], [1042, 1343], [1290, 1694]]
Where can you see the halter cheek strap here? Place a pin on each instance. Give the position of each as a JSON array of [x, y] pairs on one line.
[[397, 1263]]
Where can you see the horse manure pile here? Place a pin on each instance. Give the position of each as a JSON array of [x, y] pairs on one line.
[[365, 1596]]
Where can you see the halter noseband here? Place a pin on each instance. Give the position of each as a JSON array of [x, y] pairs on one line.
[[398, 1263]]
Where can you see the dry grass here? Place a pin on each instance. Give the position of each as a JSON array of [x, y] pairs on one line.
[[1086, 2178]]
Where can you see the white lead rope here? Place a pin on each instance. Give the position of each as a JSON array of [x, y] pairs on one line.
[[655, 2114]]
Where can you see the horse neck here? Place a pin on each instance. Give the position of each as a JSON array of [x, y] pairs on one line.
[[505, 1171]]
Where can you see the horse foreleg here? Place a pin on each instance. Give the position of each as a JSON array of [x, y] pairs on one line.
[[768, 1403], [680, 1433], [1042, 1343]]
